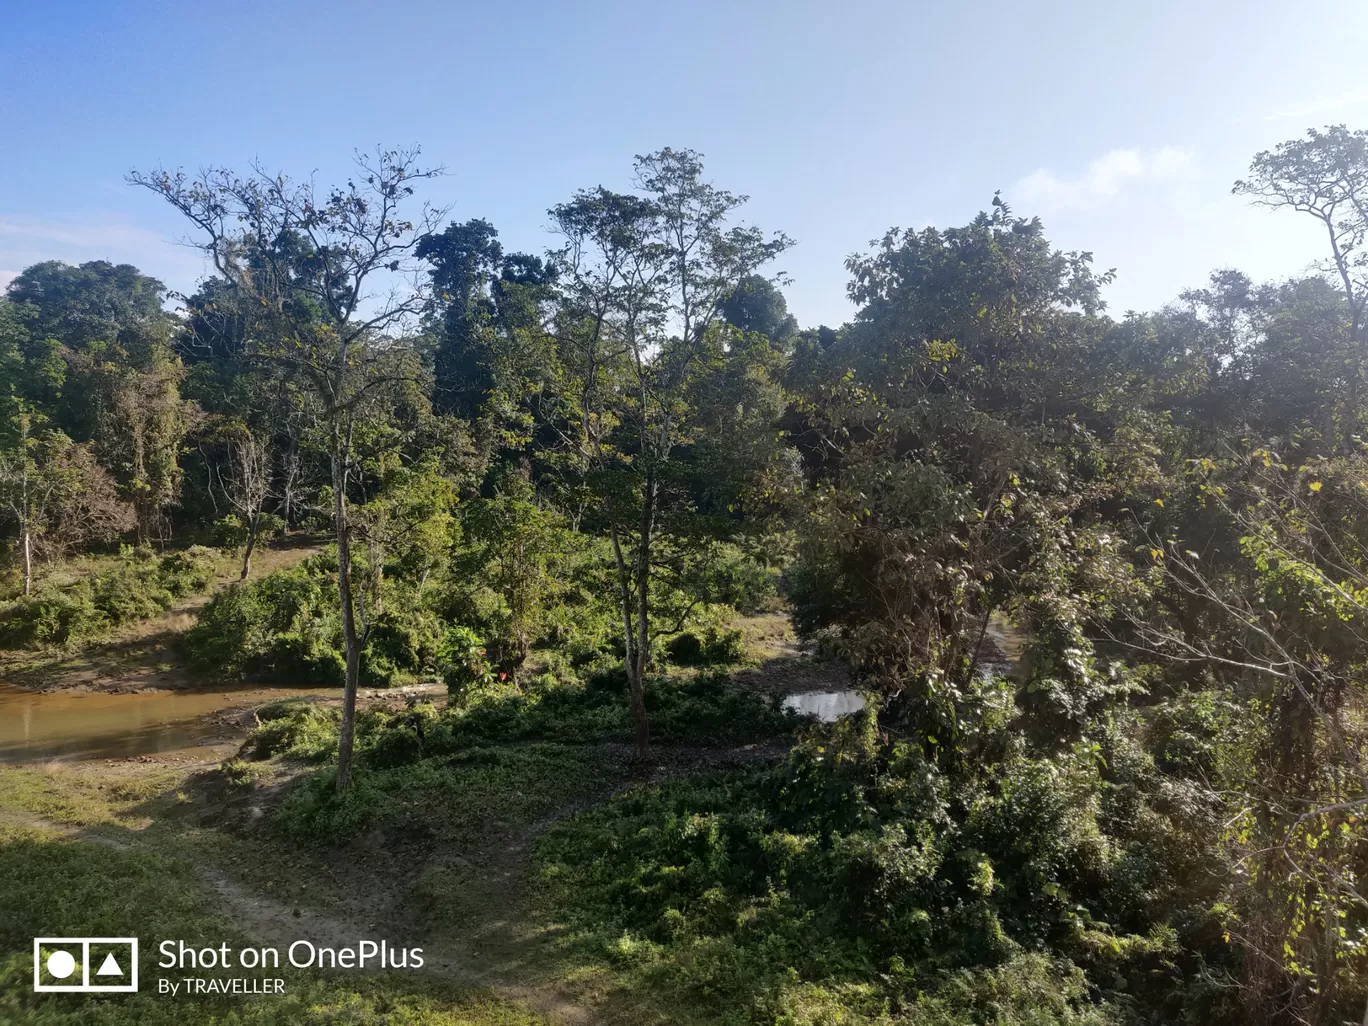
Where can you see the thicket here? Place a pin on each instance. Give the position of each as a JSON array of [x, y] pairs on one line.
[[868, 882], [115, 592]]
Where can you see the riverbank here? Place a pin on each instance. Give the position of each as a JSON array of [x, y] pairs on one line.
[[142, 655], [194, 848]]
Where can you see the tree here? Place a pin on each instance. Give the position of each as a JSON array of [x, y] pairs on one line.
[[27, 484], [756, 304], [491, 329], [330, 284], [643, 277], [1325, 175], [52, 489], [98, 319], [140, 432], [247, 486], [953, 418], [465, 258]]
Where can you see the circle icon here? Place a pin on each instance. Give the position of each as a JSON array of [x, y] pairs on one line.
[[60, 964]]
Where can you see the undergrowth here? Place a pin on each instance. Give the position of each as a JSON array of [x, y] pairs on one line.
[[862, 881], [130, 588]]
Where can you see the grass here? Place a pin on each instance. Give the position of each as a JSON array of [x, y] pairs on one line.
[[151, 887], [82, 795], [432, 846]]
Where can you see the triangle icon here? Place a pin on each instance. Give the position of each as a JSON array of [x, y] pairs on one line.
[[109, 967]]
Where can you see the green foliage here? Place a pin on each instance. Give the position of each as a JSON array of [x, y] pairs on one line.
[[862, 876], [715, 648], [117, 592], [283, 627], [286, 628], [463, 661], [293, 729], [229, 532]]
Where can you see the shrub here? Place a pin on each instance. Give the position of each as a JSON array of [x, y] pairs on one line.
[[298, 730], [287, 627], [861, 874], [464, 662], [133, 587]]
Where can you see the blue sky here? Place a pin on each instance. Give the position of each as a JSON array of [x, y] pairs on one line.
[[1122, 125]]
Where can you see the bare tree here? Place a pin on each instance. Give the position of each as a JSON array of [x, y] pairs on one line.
[[247, 487], [330, 283], [27, 489], [1325, 175]]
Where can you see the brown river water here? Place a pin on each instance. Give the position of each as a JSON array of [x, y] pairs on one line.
[[97, 725]]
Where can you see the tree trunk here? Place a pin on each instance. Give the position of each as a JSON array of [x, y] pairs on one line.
[[247, 553], [28, 560], [637, 676], [632, 659], [349, 636]]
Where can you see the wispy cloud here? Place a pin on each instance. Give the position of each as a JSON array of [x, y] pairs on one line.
[[6, 277], [94, 232], [1103, 179], [1321, 105], [26, 240]]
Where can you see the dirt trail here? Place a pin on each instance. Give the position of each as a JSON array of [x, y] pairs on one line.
[[143, 656]]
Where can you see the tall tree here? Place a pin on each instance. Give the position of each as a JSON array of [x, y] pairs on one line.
[[643, 277], [52, 489], [1325, 176], [329, 283]]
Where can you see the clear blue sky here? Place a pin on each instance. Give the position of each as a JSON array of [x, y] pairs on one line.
[[1122, 125]]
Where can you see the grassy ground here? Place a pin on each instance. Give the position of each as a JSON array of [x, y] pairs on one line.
[[438, 853]]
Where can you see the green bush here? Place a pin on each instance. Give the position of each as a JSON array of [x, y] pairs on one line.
[[464, 662], [294, 729], [705, 710], [287, 628], [715, 648], [130, 588], [861, 875], [229, 532]]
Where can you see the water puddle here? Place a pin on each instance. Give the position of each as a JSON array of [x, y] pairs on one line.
[[95, 725], [827, 706]]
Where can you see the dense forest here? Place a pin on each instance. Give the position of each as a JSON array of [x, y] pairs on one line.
[[553, 481]]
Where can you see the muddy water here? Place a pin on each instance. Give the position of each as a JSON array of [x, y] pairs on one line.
[[96, 725]]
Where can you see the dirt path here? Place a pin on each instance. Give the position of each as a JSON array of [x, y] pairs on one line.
[[143, 656]]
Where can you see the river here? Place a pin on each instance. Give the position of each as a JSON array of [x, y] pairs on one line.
[[99, 725]]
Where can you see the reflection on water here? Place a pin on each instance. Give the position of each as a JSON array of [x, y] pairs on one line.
[[827, 706], [94, 725]]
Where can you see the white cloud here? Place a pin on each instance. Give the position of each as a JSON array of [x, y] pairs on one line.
[[1103, 179], [6, 277], [1321, 105], [27, 240], [101, 231]]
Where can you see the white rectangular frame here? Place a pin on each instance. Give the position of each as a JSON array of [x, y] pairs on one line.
[[86, 987]]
